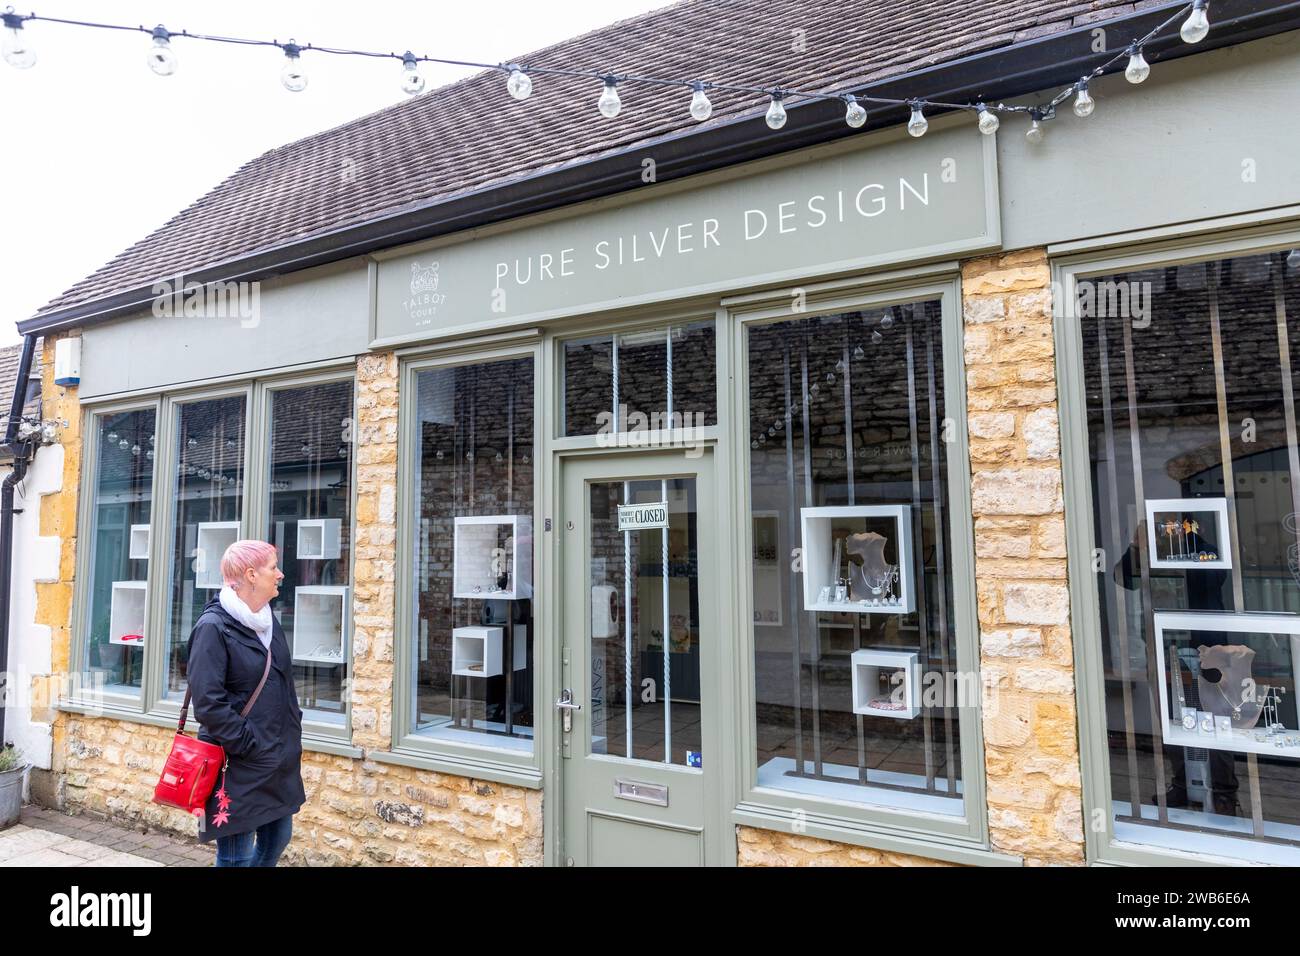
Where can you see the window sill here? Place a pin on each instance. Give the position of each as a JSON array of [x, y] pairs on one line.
[[529, 778], [843, 831]]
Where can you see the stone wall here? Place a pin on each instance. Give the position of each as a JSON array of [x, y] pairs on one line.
[[1030, 736], [757, 847]]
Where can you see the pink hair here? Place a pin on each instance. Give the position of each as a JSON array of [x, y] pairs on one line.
[[242, 555]]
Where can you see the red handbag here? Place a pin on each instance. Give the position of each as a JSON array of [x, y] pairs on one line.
[[191, 769]]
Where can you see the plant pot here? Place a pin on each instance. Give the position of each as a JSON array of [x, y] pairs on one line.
[[11, 795]]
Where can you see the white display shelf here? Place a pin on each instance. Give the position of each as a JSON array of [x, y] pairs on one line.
[[318, 538], [214, 537], [318, 623], [604, 612], [1255, 739], [139, 542], [819, 526], [476, 567], [482, 646], [1174, 509], [126, 616], [867, 666]]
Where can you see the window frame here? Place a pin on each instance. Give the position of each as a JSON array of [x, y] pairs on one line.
[[407, 747], [1108, 258], [963, 838], [152, 705]]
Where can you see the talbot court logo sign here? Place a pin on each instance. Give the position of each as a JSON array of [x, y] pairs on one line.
[[425, 298], [75, 908]]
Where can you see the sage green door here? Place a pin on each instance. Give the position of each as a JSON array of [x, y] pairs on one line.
[[639, 733]]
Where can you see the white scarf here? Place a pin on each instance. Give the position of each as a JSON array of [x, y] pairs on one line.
[[259, 623]]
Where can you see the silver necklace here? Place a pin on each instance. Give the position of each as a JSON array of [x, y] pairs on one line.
[[1236, 708]]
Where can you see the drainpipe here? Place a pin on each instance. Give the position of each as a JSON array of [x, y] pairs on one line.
[[22, 452]]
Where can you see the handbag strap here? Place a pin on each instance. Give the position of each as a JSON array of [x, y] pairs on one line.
[[185, 707]]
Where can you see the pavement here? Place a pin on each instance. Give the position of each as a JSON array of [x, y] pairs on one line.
[[44, 837]]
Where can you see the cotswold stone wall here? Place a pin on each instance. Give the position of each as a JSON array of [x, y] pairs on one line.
[[757, 847], [358, 811], [1030, 737]]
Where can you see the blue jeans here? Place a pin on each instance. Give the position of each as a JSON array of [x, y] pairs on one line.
[[238, 849]]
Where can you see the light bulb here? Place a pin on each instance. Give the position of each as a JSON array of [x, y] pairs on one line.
[[886, 321], [161, 58], [111, 436], [520, 84], [412, 81], [856, 114], [1138, 68], [776, 111], [859, 352], [124, 444], [609, 104], [876, 338], [918, 124], [989, 121], [701, 108], [1084, 104], [15, 50], [1035, 132], [135, 450], [1197, 24], [1293, 260], [292, 76], [191, 442]]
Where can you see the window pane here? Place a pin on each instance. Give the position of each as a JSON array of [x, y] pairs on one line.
[[209, 498], [474, 554], [628, 376], [1196, 491], [119, 540], [311, 528], [854, 648]]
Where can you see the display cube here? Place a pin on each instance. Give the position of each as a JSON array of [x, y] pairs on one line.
[[880, 536], [476, 651], [886, 683], [318, 623], [213, 539], [488, 547], [318, 538], [1188, 533], [126, 616], [1227, 681], [139, 543]]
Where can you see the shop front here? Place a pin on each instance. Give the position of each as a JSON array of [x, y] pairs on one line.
[[874, 503]]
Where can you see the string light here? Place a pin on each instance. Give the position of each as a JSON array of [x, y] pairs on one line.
[[609, 104], [1084, 104], [162, 60], [520, 84], [776, 110], [15, 50], [412, 81], [1197, 24], [1138, 68], [292, 76], [856, 114], [918, 124], [701, 107]]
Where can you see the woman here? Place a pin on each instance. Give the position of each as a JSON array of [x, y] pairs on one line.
[[250, 812]]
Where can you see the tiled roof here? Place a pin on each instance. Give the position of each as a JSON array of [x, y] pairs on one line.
[[471, 134]]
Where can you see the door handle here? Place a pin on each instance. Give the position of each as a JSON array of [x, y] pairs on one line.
[[566, 705]]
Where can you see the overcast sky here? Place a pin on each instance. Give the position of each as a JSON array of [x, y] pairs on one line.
[[96, 151]]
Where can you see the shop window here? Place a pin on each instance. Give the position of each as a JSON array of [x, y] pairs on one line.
[[310, 524], [119, 537], [641, 381], [473, 553], [855, 653], [1195, 470], [208, 483]]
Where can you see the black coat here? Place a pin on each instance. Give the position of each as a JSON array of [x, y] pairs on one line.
[[263, 778]]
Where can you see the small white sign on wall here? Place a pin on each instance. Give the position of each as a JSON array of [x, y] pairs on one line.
[[640, 517]]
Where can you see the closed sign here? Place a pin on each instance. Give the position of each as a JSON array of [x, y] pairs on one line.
[[638, 517]]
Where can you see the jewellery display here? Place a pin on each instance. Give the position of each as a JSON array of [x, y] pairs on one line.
[[318, 622], [126, 616], [319, 538], [1188, 532], [210, 542], [492, 557], [886, 682], [858, 559], [1213, 694]]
